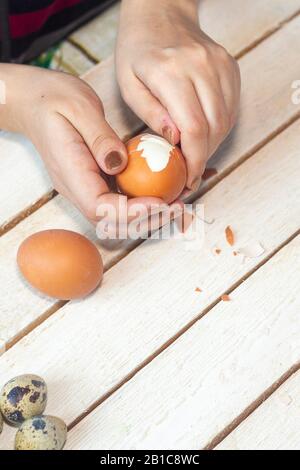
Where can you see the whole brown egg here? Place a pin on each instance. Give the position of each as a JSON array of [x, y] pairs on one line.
[[60, 263]]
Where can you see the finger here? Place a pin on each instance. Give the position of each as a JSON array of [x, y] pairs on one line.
[[149, 109], [118, 209], [143, 228], [156, 222], [103, 143], [211, 97], [182, 102], [79, 175], [231, 89]]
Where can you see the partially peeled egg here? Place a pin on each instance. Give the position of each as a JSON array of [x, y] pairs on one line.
[[155, 168]]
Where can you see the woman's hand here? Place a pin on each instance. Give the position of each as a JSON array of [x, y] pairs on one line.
[[64, 119], [176, 79]]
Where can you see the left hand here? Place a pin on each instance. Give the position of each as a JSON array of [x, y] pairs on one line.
[[176, 79]]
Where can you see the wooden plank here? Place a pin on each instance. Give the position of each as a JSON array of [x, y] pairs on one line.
[[139, 307], [255, 125], [30, 182], [250, 20], [97, 38], [242, 24], [23, 177], [211, 374], [272, 426], [266, 100], [70, 59], [28, 307]]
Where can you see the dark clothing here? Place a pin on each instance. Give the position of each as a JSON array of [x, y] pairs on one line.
[[28, 27]]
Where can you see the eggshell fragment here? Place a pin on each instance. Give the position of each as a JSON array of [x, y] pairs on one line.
[[41, 433], [60, 263], [1, 423], [155, 168], [22, 397]]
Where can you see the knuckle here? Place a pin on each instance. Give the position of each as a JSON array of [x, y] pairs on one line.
[[197, 127], [100, 142], [158, 75], [222, 52], [222, 125], [169, 64], [204, 55], [84, 99]]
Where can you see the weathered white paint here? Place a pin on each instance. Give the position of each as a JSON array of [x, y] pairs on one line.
[[190, 392], [156, 151], [98, 37], [23, 179], [234, 23], [150, 295], [114, 345], [258, 104], [272, 426], [70, 59]]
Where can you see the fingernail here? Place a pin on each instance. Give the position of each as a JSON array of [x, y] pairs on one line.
[[195, 184], [113, 160], [168, 135]]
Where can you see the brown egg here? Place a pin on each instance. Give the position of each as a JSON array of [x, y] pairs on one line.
[[155, 168], [60, 263]]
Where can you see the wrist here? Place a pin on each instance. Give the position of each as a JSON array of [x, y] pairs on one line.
[[133, 10]]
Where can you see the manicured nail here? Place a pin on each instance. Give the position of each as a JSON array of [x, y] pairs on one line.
[[113, 160], [168, 134], [195, 184]]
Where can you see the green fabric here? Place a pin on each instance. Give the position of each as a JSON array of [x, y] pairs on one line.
[[45, 59]]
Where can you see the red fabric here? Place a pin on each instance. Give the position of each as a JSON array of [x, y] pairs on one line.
[[27, 23]]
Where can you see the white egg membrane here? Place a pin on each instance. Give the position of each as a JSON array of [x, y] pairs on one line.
[[156, 151]]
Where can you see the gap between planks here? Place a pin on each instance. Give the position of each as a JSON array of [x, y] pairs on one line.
[[59, 304], [181, 332], [237, 56], [83, 51], [219, 177], [50, 195], [283, 241], [266, 35], [252, 407]]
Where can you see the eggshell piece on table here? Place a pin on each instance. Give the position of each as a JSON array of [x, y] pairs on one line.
[[155, 168], [22, 397], [60, 263], [41, 433]]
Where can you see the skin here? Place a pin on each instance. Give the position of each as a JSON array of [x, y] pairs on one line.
[[176, 79]]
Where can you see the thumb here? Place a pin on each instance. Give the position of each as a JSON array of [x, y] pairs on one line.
[[106, 147], [108, 150]]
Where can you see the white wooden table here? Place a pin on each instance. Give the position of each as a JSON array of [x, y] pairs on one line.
[[147, 361]]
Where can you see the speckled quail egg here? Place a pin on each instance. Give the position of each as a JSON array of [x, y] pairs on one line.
[[1, 423], [41, 433], [23, 397]]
